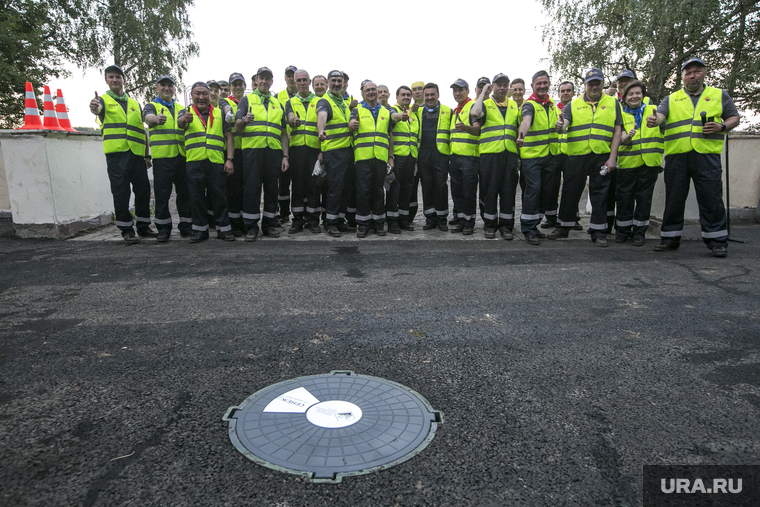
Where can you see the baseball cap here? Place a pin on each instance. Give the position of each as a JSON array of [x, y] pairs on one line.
[[594, 75], [500, 75], [264, 70], [626, 73], [334, 73], [291, 68], [199, 84], [211, 83], [417, 83], [112, 68], [165, 77], [461, 83], [483, 81], [345, 75], [236, 76], [222, 82], [361, 86], [694, 59]]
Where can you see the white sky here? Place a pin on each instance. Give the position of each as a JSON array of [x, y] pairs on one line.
[[405, 41]]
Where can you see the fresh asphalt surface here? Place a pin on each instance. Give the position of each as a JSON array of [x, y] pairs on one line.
[[561, 369]]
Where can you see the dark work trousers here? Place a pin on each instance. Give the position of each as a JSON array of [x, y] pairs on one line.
[[464, 187], [577, 169], [706, 172], [305, 192], [534, 174], [494, 193], [414, 196], [548, 175], [400, 195], [370, 194], [336, 163], [168, 172], [235, 192], [203, 178], [434, 172], [633, 194], [127, 173], [611, 200], [552, 196], [323, 201], [261, 166], [284, 193], [348, 208]]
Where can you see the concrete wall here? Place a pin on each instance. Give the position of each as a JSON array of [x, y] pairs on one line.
[[744, 178], [5, 199], [57, 182]]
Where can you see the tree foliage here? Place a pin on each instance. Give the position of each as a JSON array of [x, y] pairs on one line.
[[146, 38], [654, 37], [32, 48]]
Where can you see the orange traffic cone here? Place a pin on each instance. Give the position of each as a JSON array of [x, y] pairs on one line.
[[62, 112], [50, 120], [32, 120]]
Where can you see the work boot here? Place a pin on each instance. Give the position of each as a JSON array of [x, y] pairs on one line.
[[163, 236], [556, 234], [665, 246], [147, 232], [490, 233], [393, 228], [197, 237], [719, 251], [130, 238], [601, 241], [532, 239]]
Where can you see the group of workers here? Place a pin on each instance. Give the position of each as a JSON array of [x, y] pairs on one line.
[[316, 151]]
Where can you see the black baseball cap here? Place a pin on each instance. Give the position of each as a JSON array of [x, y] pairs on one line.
[[483, 81], [211, 83], [113, 68], [626, 74], [235, 76], [539, 74], [291, 68], [165, 77], [335, 73], [222, 82], [461, 83], [594, 75], [264, 70], [694, 59], [199, 84], [500, 75], [345, 75]]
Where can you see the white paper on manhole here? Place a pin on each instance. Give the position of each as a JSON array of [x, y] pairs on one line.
[[334, 414], [296, 401]]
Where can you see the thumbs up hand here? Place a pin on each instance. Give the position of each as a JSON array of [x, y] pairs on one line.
[[189, 117], [95, 104]]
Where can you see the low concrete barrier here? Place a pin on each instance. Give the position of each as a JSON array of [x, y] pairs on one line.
[[54, 183]]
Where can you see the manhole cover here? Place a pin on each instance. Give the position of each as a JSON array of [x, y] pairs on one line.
[[330, 426]]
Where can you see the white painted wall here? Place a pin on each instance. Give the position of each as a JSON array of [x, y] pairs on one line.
[[5, 199], [55, 178]]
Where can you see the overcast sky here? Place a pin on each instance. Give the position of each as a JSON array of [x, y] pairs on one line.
[[393, 43]]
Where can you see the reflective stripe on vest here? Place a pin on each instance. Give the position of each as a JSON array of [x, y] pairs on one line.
[[371, 140], [591, 131], [306, 134], [463, 143], [683, 130], [265, 131], [499, 132], [646, 148], [122, 132], [235, 136], [167, 140], [208, 143], [336, 130], [541, 140], [283, 97], [406, 134]]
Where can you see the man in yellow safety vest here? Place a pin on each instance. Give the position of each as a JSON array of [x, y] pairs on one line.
[[698, 119]]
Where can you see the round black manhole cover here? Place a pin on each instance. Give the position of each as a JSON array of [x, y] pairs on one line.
[[330, 426]]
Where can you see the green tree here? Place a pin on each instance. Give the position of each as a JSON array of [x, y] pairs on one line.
[[146, 38], [32, 48], [654, 37]]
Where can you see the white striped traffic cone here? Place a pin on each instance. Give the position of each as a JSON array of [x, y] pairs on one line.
[[32, 120], [62, 112], [50, 120]]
